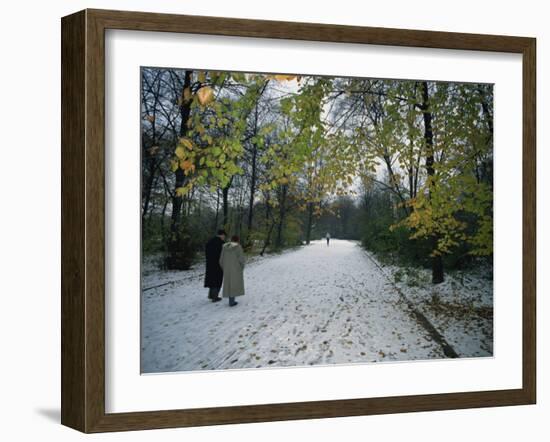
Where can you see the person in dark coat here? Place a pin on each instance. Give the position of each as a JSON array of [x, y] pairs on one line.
[[213, 276]]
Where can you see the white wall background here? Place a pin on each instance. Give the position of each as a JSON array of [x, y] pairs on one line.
[[30, 217]]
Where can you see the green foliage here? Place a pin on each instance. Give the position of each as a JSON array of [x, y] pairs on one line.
[[456, 186], [293, 233], [355, 157], [187, 244], [210, 155]]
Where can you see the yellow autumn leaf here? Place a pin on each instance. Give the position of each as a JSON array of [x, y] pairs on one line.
[[202, 76], [186, 142], [205, 95], [180, 152], [187, 166], [181, 191], [187, 94], [285, 77], [174, 165]]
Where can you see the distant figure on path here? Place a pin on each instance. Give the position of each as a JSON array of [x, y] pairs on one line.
[[232, 263], [213, 276], [328, 238]]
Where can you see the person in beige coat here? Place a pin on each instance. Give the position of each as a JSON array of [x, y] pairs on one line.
[[232, 263]]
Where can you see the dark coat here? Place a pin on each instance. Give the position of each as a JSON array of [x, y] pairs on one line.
[[214, 273]]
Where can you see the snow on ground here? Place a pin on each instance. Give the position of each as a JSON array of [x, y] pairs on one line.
[[461, 308], [313, 305]]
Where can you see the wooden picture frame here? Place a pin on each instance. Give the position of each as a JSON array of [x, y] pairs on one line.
[[83, 220]]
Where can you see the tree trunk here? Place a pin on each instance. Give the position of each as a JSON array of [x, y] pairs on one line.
[[239, 213], [486, 173], [282, 213], [225, 204], [252, 192], [268, 217], [437, 261], [309, 222], [395, 184], [437, 264], [253, 177], [149, 156], [216, 227], [267, 238], [147, 189], [177, 256], [162, 215]]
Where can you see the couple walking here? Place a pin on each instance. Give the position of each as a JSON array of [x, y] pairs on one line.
[[224, 264]]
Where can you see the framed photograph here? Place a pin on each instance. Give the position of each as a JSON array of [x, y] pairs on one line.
[[268, 221]]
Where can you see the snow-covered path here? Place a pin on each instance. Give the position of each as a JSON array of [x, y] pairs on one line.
[[314, 305]]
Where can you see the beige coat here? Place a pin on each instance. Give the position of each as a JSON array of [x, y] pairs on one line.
[[232, 263]]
